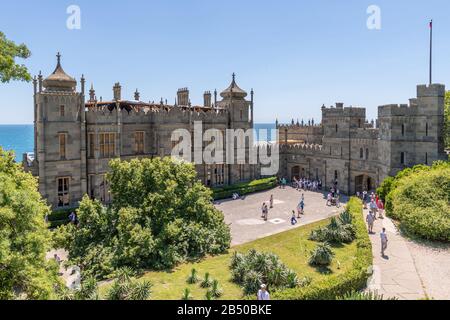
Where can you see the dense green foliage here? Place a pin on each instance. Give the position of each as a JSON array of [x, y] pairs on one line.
[[339, 230], [59, 217], [160, 216], [420, 201], [419, 198], [338, 285], [9, 69], [361, 295], [322, 255], [24, 238], [244, 188], [255, 268]]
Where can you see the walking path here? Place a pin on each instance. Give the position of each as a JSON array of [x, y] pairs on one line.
[[410, 270]]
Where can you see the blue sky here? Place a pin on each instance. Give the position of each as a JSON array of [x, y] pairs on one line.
[[297, 55]]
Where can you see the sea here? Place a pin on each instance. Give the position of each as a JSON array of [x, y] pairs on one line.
[[20, 138]]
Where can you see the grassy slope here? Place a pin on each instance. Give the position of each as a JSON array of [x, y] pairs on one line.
[[292, 247]]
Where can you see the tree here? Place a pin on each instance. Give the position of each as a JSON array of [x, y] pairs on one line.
[[447, 119], [161, 215], [24, 237], [9, 69]]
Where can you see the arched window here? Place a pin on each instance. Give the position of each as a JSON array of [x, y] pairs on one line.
[[402, 158], [367, 154], [361, 153]]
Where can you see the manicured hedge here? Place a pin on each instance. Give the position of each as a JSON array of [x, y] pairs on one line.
[[335, 286], [244, 188], [419, 199], [59, 217]]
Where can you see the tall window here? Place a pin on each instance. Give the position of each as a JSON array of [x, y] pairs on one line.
[[403, 130], [91, 145], [62, 145], [336, 128], [63, 192], [241, 114], [367, 154], [361, 153], [241, 172], [107, 145], [139, 142], [426, 158], [426, 130], [61, 111], [402, 158]]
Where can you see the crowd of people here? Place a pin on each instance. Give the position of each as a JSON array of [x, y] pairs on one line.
[[375, 206], [306, 184]]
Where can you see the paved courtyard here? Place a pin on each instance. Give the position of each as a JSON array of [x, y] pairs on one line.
[[245, 215]]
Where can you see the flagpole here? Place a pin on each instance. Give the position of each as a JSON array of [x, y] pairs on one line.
[[431, 51]]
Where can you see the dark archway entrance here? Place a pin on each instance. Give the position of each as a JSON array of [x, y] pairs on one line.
[[363, 183], [295, 172]]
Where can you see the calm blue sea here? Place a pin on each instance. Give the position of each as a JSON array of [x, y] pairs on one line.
[[19, 138]]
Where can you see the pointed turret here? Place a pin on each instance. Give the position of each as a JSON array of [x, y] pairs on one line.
[[59, 80]]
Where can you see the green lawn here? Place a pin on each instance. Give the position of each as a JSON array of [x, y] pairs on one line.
[[292, 247]]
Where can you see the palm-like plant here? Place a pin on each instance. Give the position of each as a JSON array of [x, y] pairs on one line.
[[193, 278], [322, 255], [292, 279], [360, 295], [304, 282], [252, 282], [209, 295], [216, 290], [236, 259], [206, 283], [345, 218], [141, 291], [187, 294]]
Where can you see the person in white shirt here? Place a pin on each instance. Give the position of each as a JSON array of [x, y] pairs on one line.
[[370, 220], [384, 242], [263, 294]]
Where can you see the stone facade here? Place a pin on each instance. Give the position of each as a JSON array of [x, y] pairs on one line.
[[358, 155], [75, 139]]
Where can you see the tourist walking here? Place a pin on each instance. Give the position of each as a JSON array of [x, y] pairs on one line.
[[370, 219], [293, 219], [271, 201], [263, 294], [263, 210], [384, 242]]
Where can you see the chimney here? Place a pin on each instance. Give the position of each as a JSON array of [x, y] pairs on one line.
[[117, 91], [92, 93], [183, 96], [207, 99]]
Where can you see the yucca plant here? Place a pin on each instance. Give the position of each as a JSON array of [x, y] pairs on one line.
[[304, 282], [236, 260], [292, 279], [216, 290], [193, 278], [345, 218], [322, 255], [209, 295], [318, 235], [187, 294], [206, 283], [252, 282], [277, 277], [361, 295]]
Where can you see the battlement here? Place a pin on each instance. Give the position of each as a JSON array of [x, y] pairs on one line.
[[433, 90], [341, 111], [300, 147]]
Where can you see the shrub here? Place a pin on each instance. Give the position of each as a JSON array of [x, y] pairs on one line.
[[187, 295], [244, 188], [421, 202], [256, 268], [361, 295], [161, 216], [322, 255], [338, 231], [216, 291], [193, 278], [206, 283], [337, 285]]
